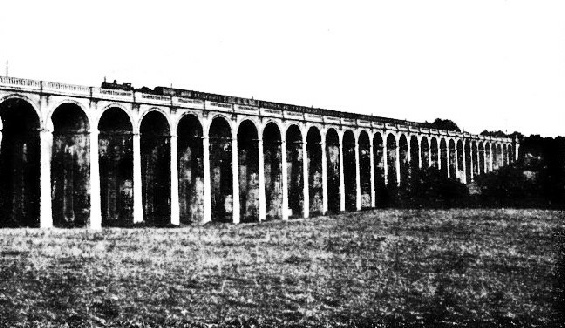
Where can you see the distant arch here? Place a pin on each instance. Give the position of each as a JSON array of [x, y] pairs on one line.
[[295, 176], [349, 171], [115, 155], [444, 158], [272, 149], [392, 158], [221, 177], [70, 165], [404, 158], [155, 167], [426, 153], [19, 163], [365, 168], [190, 161], [333, 164], [248, 156]]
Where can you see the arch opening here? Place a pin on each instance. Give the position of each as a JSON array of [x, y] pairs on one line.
[[349, 171], [426, 155], [115, 155], [452, 160], [414, 154], [475, 158], [295, 176], [190, 159], [460, 166], [468, 168], [156, 168], [444, 158], [391, 159], [380, 185], [434, 153], [404, 159], [481, 150], [248, 174], [221, 176], [314, 162], [70, 167], [488, 156], [332, 154], [495, 156], [19, 164], [365, 169], [272, 149]]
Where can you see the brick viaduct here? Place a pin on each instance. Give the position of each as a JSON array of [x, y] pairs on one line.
[[83, 156]]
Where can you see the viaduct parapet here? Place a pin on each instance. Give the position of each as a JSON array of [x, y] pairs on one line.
[[84, 156]]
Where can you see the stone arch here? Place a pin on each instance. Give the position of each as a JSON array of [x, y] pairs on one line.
[[295, 175], [349, 171], [434, 152], [378, 153], [443, 157], [495, 156], [481, 157], [19, 163], [248, 157], [452, 159], [221, 176], [279, 125], [475, 157], [131, 119], [70, 165], [190, 161], [272, 149], [488, 155], [460, 161], [251, 119], [155, 147], [34, 105], [314, 162], [152, 110], [404, 156], [501, 156], [365, 168], [332, 154], [391, 159], [468, 161], [426, 152], [414, 154], [115, 153]]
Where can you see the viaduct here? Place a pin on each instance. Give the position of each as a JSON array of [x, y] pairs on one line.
[[76, 156]]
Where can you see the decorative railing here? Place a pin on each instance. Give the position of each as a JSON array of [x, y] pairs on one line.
[[190, 101], [115, 92], [19, 82], [154, 97], [66, 87]]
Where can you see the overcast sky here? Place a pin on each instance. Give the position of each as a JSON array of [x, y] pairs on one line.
[[484, 64]]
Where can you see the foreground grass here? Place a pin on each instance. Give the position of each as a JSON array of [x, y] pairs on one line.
[[385, 268]]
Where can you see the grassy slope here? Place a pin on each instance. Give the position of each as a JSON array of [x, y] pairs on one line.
[[391, 267]]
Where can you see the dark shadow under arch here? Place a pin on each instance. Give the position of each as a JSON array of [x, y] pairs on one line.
[[19, 165]]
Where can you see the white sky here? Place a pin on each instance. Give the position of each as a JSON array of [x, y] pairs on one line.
[[488, 64]]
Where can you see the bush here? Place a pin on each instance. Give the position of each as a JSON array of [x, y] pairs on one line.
[[428, 188], [510, 186]]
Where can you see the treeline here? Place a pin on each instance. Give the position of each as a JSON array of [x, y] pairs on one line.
[[536, 180]]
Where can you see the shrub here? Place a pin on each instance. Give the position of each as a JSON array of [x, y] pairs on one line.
[[510, 186], [428, 188]]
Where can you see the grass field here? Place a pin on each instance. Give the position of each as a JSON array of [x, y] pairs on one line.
[[381, 268]]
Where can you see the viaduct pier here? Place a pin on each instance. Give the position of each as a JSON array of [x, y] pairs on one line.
[[83, 156]]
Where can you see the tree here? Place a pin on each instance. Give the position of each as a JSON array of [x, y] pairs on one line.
[[442, 124]]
